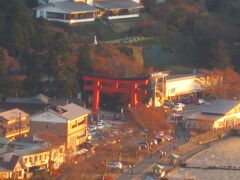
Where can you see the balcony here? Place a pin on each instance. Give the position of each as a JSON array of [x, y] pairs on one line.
[[16, 132]]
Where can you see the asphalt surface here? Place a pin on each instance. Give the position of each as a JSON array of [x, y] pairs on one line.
[[181, 137]]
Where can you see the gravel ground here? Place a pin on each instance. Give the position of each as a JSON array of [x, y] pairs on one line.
[[222, 153]]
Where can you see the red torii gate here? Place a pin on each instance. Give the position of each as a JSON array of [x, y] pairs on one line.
[[98, 84]]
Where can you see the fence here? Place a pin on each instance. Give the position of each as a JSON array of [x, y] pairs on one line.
[[209, 136]]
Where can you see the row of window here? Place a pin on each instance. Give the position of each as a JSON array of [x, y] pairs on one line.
[[122, 12], [62, 16], [36, 158], [42, 157], [86, 15], [78, 123]]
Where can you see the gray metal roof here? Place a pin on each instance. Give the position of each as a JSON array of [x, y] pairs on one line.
[[73, 111], [203, 117], [117, 4], [220, 107], [72, 7]]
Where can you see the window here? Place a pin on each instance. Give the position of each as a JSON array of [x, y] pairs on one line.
[[82, 133], [40, 157], [53, 15], [41, 13], [31, 159], [81, 122], [74, 124], [173, 90], [46, 156], [26, 160], [35, 158]]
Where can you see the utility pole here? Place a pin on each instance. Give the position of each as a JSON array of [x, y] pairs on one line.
[[20, 124]]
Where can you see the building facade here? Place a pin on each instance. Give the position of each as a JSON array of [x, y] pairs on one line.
[[20, 159], [76, 11], [218, 114], [68, 123], [14, 123], [174, 87]]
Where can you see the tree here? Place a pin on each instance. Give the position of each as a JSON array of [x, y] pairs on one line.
[[15, 27], [59, 66], [151, 119], [9, 73], [220, 56], [116, 61], [221, 83]]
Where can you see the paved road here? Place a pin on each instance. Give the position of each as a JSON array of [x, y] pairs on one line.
[[144, 164], [147, 161], [181, 136]]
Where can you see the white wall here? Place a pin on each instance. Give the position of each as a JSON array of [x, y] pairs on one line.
[[137, 1], [49, 8], [123, 16], [181, 86]]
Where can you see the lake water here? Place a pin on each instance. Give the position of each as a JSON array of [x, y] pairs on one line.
[[222, 153]]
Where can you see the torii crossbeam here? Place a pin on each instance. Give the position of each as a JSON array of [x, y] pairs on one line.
[[131, 86]]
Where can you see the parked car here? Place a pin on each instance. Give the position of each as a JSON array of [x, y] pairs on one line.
[[142, 145], [168, 103], [177, 109], [92, 128], [201, 101], [154, 142], [179, 105], [114, 165], [158, 139], [163, 138], [81, 151], [112, 141], [186, 101], [100, 126], [100, 121]]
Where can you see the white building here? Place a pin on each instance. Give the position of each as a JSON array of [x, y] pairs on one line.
[[218, 114], [76, 11], [67, 11], [165, 86], [119, 9], [180, 85]]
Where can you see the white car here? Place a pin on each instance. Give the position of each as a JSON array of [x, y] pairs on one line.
[[100, 121], [179, 105], [201, 101], [81, 151], [100, 126], [114, 165], [92, 128], [177, 109]]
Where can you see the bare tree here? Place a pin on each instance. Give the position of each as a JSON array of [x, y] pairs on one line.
[[151, 119], [221, 83]]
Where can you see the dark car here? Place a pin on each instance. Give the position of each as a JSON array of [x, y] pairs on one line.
[[168, 103], [142, 145]]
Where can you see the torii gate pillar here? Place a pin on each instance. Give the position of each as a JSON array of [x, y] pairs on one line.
[[114, 85]]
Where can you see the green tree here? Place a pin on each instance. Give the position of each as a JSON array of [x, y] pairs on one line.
[[59, 67], [15, 27], [220, 56]]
